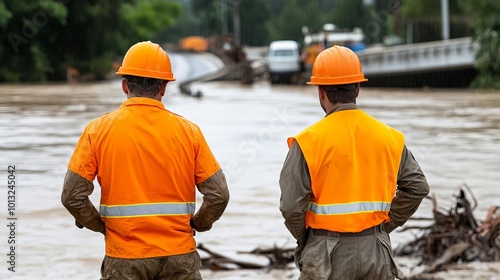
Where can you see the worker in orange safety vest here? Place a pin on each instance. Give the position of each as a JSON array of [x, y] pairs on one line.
[[347, 181], [148, 162]]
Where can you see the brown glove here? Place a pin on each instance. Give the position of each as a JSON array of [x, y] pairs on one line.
[[198, 229], [390, 226]]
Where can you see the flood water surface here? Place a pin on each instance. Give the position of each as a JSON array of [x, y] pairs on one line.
[[454, 135]]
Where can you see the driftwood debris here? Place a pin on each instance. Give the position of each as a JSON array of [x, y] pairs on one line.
[[456, 236], [278, 258]]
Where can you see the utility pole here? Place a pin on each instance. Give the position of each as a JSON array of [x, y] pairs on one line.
[[224, 18], [445, 20], [236, 23]]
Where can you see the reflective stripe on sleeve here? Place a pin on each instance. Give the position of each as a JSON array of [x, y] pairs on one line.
[[150, 209], [348, 208]]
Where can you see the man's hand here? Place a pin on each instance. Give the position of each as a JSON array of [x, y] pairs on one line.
[[390, 226], [80, 226], [191, 223]]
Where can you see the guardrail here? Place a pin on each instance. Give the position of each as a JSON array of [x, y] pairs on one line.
[[431, 56]]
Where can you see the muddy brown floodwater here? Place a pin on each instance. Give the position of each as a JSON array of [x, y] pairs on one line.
[[454, 134]]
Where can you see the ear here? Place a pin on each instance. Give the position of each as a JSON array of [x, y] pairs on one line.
[[163, 88], [124, 86], [322, 94]]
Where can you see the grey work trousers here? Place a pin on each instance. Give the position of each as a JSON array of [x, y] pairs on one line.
[[178, 267], [347, 258]]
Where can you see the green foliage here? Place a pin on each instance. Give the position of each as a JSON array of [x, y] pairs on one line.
[[41, 64], [24, 52], [350, 13], [486, 34], [45, 37], [186, 24], [149, 16], [215, 17], [5, 14], [211, 13], [421, 8], [425, 17], [254, 16], [282, 28], [294, 14]]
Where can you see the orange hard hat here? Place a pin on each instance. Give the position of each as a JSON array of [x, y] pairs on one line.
[[336, 65], [148, 60]]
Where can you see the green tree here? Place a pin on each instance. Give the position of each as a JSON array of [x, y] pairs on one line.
[[350, 14], [254, 17], [27, 38], [425, 17], [5, 14], [187, 24], [46, 37], [215, 17], [486, 34], [101, 30], [383, 20], [294, 15], [149, 16], [209, 13], [288, 25]]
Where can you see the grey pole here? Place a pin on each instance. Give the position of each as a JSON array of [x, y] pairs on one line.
[[445, 19], [224, 17], [236, 23]]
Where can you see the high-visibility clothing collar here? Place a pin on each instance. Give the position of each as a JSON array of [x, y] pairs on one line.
[[342, 107], [142, 101]]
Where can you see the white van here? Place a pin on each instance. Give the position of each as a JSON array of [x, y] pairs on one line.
[[283, 61]]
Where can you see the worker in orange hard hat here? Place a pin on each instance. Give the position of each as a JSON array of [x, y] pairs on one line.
[[347, 181], [309, 55], [148, 162]]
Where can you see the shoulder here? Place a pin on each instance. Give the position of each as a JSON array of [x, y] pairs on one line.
[[95, 124], [388, 127], [184, 123]]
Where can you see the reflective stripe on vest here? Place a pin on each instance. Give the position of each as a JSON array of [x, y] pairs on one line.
[[348, 208], [147, 209]]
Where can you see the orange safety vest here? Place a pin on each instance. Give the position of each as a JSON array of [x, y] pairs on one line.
[[353, 161], [147, 161]]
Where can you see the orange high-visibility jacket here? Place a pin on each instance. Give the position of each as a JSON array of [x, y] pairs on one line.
[[353, 161], [147, 161]]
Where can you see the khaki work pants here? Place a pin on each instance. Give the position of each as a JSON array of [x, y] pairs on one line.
[[347, 258], [179, 267]]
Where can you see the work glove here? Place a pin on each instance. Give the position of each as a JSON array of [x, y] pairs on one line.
[[301, 243], [80, 226], [198, 229], [390, 226]]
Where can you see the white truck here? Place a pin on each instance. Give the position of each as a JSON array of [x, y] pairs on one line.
[[283, 62]]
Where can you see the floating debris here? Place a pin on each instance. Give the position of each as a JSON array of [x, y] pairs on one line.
[[455, 237], [277, 258]]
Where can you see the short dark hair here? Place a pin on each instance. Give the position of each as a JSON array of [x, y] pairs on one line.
[[340, 93], [143, 87]]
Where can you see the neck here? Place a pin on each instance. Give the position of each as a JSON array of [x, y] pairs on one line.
[[334, 107], [157, 97]]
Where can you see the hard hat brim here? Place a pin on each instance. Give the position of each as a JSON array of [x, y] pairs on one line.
[[168, 76], [337, 81]]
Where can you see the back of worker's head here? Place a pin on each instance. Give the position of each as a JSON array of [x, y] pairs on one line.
[[143, 87], [146, 67], [337, 71]]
